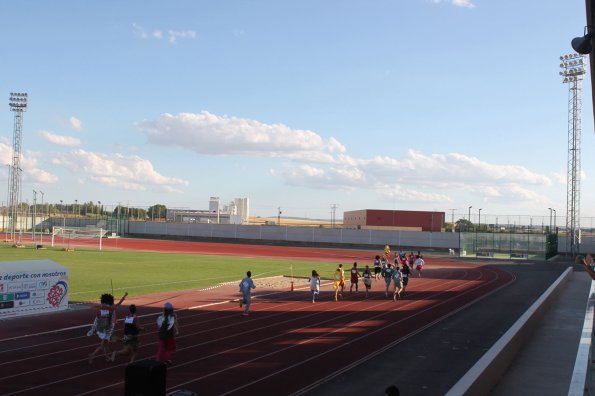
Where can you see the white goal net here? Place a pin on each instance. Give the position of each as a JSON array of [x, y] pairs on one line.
[[69, 237]]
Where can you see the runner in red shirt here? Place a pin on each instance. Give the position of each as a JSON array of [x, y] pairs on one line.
[[354, 278]]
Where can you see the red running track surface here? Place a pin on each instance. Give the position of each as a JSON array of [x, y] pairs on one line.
[[287, 344]]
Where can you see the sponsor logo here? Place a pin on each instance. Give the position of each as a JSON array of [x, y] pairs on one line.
[[21, 296], [14, 287]]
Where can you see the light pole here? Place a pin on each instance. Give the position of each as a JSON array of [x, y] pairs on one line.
[[479, 219], [42, 219], [550, 220], [18, 104], [573, 70], [98, 208], [34, 223], [279, 216], [469, 216], [554, 218]]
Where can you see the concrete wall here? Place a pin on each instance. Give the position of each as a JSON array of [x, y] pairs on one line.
[[433, 240]]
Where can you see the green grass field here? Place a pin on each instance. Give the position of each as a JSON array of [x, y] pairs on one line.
[[93, 272]]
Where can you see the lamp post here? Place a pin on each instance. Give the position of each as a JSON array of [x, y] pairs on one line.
[[554, 218], [469, 216], [98, 208], [42, 219], [479, 219], [279, 216], [34, 223], [550, 230]]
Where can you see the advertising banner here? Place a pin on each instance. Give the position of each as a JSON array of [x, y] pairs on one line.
[[31, 287]]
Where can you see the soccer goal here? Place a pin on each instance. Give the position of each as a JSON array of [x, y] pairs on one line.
[[71, 237]]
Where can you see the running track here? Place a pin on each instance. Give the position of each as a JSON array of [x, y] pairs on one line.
[[285, 346]]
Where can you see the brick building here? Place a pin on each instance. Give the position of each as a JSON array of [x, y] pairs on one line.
[[394, 219]]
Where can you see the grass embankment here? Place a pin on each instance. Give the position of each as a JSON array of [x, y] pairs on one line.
[[93, 272]]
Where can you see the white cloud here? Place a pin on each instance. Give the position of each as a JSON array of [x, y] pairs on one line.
[[29, 163], [207, 133], [75, 123], [463, 3], [457, 3], [60, 140], [175, 35], [157, 34], [139, 31], [117, 171]]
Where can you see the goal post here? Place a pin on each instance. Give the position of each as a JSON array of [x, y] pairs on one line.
[[69, 237]]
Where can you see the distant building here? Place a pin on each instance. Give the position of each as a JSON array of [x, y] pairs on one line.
[[214, 204], [394, 219], [237, 212]]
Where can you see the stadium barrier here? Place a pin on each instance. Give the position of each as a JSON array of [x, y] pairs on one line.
[[484, 375]]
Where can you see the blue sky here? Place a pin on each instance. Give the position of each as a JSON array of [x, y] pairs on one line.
[[409, 104]]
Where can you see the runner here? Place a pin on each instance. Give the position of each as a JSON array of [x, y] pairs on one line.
[[104, 323], [167, 323], [131, 330], [406, 271], [246, 286], [398, 282], [367, 275], [377, 269], [387, 252], [354, 278], [387, 274], [339, 281], [314, 285], [419, 264]]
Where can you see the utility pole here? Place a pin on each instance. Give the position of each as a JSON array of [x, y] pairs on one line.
[[453, 219], [333, 212]]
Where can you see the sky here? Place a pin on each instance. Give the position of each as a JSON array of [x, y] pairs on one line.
[[301, 106]]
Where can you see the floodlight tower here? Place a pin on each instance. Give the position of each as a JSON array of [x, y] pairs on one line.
[[18, 104], [573, 70]]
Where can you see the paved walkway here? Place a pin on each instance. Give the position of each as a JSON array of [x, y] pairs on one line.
[[545, 365]]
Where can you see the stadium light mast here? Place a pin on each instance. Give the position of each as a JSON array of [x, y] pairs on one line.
[[573, 70], [18, 103]]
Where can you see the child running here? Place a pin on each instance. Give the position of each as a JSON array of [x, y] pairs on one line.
[[314, 285], [398, 282], [367, 275], [339, 281], [406, 271], [131, 330], [377, 268], [167, 323], [419, 265], [354, 278], [387, 274], [104, 323]]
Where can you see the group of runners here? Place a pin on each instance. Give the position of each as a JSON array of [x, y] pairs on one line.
[[105, 321], [396, 274]]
